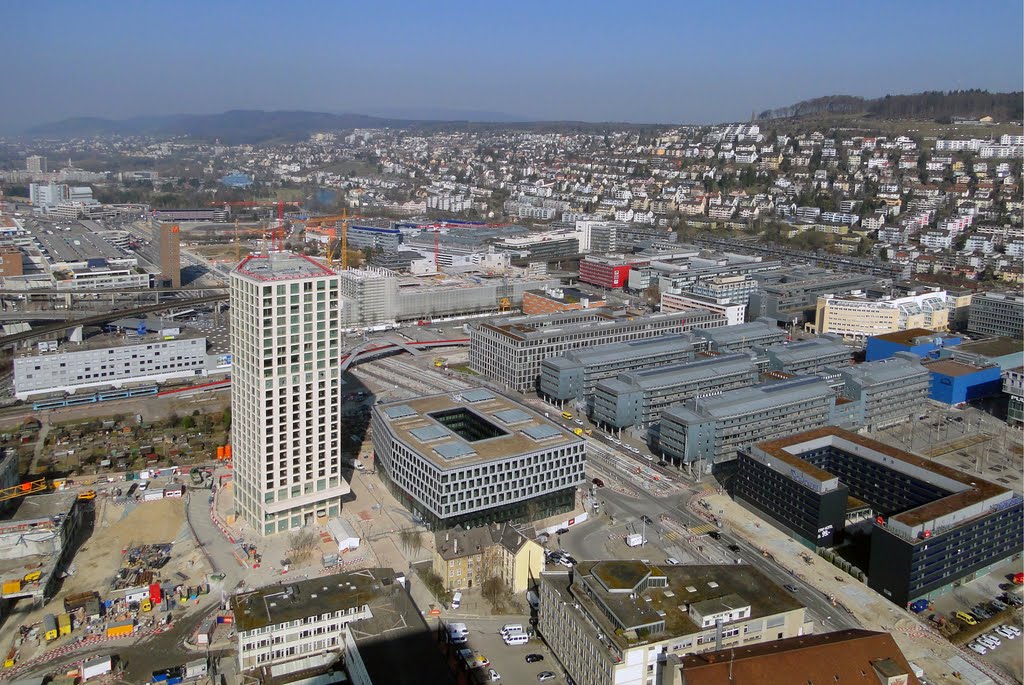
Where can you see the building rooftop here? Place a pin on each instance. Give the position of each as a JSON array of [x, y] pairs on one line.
[[459, 542], [632, 349], [895, 368], [111, 340], [992, 347], [73, 242], [948, 367], [40, 509], [576, 321], [752, 331], [844, 656], [752, 399], [688, 372], [804, 350], [565, 295], [637, 593], [281, 266], [907, 337], [964, 491], [471, 426], [289, 601]]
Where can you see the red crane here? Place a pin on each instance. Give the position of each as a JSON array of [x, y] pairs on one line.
[[277, 236]]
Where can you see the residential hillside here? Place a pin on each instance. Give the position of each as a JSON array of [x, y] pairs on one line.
[[928, 105]]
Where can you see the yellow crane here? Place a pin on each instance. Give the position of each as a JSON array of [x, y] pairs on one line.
[[27, 488]]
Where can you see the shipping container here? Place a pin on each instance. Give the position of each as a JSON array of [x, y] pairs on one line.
[[49, 627], [155, 593], [93, 668], [196, 668], [121, 629], [136, 594], [11, 586], [152, 495], [64, 624]]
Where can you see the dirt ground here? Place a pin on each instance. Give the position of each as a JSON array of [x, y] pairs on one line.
[[119, 527]]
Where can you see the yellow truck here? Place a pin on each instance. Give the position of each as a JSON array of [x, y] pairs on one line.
[[32, 576], [64, 624]]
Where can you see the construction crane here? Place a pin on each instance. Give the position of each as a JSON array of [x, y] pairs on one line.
[[332, 246], [27, 488], [278, 231]]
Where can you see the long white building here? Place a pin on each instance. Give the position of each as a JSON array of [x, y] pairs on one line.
[[286, 394]]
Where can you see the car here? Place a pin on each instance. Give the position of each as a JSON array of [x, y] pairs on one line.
[[980, 612], [561, 531], [493, 675], [791, 587], [734, 548], [578, 422], [647, 519], [1002, 630], [715, 535], [663, 463], [980, 649], [616, 441], [647, 456], [989, 640], [545, 676], [997, 605], [672, 561], [966, 618], [533, 658], [598, 482], [1013, 629]]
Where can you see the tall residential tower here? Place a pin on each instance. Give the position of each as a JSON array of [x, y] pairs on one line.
[[286, 392]]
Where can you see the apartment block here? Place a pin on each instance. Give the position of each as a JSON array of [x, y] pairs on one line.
[[464, 557], [572, 376], [615, 622], [998, 314], [475, 457], [734, 312], [637, 398], [286, 392], [511, 350], [806, 357]]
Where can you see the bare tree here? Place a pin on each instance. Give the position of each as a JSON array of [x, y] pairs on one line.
[[303, 543]]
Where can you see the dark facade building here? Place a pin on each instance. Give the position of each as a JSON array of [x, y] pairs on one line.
[[170, 254], [934, 526]]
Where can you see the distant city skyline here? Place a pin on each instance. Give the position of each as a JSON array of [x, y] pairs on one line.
[[673, 63]]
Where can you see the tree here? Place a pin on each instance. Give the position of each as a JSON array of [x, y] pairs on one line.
[[303, 543], [187, 422], [652, 295], [225, 419], [493, 589]]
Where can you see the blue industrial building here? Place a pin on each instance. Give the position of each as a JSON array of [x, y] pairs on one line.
[[954, 382], [919, 341]]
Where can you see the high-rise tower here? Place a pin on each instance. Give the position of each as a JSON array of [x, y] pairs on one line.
[[170, 254], [286, 392]]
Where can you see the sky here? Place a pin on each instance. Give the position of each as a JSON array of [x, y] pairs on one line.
[[662, 62]]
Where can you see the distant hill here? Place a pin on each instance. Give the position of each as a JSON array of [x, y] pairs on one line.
[[233, 127], [937, 105]]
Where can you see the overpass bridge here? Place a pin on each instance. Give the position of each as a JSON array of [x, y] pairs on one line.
[[106, 317]]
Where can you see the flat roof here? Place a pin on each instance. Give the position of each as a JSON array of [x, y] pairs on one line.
[[280, 266], [948, 367], [991, 347], [686, 372], [518, 428], [752, 398], [576, 321], [686, 585], [630, 349], [906, 337], [73, 242], [109, 340], [288, 601], [974, 491], [33, 508]]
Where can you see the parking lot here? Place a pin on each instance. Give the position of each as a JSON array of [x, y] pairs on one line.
[[509, 661]]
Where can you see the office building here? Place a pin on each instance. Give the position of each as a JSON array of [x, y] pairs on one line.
[[542, 247], [99, 363], [170, 254], [998, 314], [47, 194], [511, 350], [556, 300], [1013, 386], [609, 272], [958, 302], [34, 164], [467, 557], [843, 656], [286, 392], [744, 337], [732, 288], [637, 398], [919, 341], [791, 294], [615, 622], [886, 392], [216, 215], [733, 312], [859, 317], [475, 457], [956, 382], [572, 376], [806, 357], [935, 527], [701, 433], [359, 627], [373, 237]]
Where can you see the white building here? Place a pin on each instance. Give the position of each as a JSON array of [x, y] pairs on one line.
[[286, 392], [734, 312], [46, 194]]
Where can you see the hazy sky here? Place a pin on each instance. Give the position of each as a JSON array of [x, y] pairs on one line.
[[677, 61]]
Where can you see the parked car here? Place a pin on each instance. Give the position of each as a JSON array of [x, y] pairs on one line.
[[545, 676], [533, 658], [919, 606], [980, 649], [1013, 629], [989, 640], [598, 482], [492, 675], [1008, 634], [791, 587], [672, 561]]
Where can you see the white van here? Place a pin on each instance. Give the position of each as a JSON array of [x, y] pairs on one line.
[[457, 633], [456, 600], [519, 638], [511, 628]]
